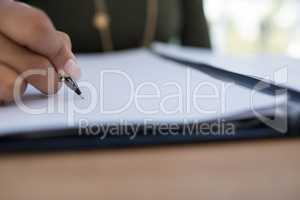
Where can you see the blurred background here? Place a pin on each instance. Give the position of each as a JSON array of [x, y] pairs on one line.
[[245, 27]]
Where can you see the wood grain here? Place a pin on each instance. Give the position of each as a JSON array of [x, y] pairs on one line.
[[245, 170]]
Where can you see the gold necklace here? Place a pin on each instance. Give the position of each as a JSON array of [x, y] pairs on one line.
[[103, 24]]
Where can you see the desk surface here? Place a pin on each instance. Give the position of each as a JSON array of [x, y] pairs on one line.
[[244, 170]]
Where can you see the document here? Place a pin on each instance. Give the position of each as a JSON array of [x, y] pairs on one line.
[[279, 70], [132, 87]]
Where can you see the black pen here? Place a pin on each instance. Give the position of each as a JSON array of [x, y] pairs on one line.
[[70, 83]]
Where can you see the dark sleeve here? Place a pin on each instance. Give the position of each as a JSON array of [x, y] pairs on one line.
[[194, 29]]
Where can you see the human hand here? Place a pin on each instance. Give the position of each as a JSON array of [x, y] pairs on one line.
[[30, 43]]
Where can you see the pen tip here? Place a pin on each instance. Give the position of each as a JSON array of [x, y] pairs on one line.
[[82, 97]]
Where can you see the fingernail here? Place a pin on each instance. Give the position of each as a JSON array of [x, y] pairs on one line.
[[72, 69]]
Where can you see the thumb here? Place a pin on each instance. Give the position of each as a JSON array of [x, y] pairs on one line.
[[64, 60]]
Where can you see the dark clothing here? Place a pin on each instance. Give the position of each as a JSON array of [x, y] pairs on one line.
[[177, 19]]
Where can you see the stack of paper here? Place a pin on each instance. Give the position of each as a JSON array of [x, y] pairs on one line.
[[133, 87]]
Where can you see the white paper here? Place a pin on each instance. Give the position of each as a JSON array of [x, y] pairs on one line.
[[118, 78]]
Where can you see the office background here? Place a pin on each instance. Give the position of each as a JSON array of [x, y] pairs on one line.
[[254, 26]]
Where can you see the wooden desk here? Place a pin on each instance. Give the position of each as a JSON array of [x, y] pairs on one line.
[[245, 170]]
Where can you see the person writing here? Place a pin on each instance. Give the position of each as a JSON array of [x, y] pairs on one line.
[[31, 34]]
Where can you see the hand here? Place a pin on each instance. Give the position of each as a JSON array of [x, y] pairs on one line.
[[30, 43]]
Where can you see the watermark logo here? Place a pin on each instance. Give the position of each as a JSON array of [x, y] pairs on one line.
[[115, 94], [279, 117]]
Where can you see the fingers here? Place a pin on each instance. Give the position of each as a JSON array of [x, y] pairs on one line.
[[35, 69], [38, 34], [66, 40], [70, 67], [8, 84]]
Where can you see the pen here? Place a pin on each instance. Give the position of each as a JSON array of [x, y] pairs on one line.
[[70, 83]]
